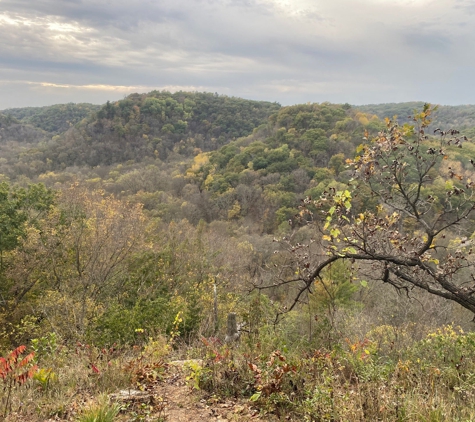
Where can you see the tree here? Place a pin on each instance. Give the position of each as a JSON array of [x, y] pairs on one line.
[[19, 206], [75, 260], [417, 235]]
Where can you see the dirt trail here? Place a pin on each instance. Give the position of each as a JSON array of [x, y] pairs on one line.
[[167, 399], [173, 400]]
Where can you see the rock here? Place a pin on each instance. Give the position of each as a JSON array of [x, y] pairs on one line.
[[131, 396]]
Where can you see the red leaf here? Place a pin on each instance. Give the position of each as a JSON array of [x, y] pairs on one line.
[[27, 359]]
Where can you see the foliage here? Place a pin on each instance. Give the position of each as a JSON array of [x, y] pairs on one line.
[[148, 368], [15, 370], [56, 118], [71, 259], [462, 116], [17, 206], [358, 379], [269, 380], [264, 174], [168, 209], [403, 238], [155, 125], [45, 378], [102, 411]]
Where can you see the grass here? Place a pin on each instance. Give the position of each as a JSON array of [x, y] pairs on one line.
[[379, 377], [102, 411], [384, 374]]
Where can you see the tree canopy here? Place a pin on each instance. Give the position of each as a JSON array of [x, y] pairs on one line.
[[401, 238]]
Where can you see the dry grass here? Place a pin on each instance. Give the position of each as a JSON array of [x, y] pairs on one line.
[[384, 375]]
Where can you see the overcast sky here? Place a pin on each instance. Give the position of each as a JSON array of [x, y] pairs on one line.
[[289, 51]]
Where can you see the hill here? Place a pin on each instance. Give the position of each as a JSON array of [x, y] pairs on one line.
[[154, 125], [164, 220], [300, 151], [461, 117], [54, 119]]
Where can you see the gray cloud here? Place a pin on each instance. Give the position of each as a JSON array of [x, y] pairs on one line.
[[289, 51]]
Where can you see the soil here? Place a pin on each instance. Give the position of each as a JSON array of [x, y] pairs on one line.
[[168, 398], [173, 400]]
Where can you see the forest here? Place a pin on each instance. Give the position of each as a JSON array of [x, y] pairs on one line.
[[339, 236]]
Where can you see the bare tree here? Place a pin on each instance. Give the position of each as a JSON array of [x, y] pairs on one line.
[[395, 219]]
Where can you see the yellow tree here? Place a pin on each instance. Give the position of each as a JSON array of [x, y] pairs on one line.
[[69, 267]]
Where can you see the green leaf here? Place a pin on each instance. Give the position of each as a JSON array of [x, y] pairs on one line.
[[364, 283], [335, 232], [255, 396]]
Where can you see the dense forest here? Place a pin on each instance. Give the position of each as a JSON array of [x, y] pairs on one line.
[[54, 119], [340, 239]]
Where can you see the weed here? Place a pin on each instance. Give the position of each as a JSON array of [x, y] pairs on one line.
[[103, 411], [15, 371], [45, 346], [198, 374], [45, 377]]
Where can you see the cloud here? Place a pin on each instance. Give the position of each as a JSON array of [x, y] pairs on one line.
[[281, 50]]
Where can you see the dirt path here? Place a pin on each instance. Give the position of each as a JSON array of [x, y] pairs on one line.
[[172, 400], [165, 399]]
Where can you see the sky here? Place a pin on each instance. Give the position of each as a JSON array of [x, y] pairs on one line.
[[288, 51]]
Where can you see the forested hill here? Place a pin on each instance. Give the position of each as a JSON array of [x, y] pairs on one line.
[[56, 118], [300, 152], [14, 131], [154, 125], [162, 123], [204, 156], [461, 117]]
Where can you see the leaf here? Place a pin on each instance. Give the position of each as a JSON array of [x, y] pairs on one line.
[[335, 232], [364, 283], [256, 396], [27, 359], [13, 356]]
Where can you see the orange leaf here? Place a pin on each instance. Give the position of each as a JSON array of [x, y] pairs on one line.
[[27, 359]]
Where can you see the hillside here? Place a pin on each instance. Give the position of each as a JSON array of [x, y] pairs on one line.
[[460, 117], [14, 131], [202, 156], [156, 125], [54, 119], [301, 151], [341, 246]]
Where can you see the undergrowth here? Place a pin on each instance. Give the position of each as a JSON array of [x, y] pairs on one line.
[[384, 375]]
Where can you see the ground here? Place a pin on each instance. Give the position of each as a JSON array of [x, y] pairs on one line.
[[166, 397], [171, 399]]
